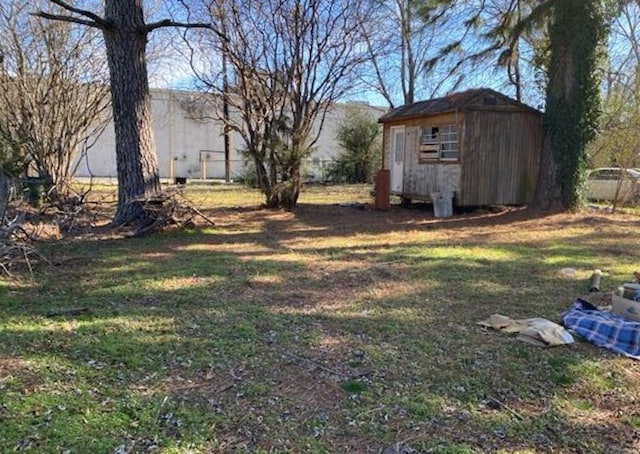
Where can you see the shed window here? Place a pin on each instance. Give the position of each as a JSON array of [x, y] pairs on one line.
[[449, 143], [430, 135], [398, 152], [438, 143]]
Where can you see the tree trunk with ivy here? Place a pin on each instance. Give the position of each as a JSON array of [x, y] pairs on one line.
[[572, 101]]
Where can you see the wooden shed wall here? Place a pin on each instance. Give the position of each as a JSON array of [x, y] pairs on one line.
[[386, 146], [421, 180], [501, 157]]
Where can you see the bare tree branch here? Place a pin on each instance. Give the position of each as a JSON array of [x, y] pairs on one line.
[[170, 23], [402, 38], [54, 92], [94, 19], [65, 18], [291, 61]]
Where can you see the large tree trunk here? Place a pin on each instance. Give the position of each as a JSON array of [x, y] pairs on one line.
[[547, 196], [572, 100], [137, 164]]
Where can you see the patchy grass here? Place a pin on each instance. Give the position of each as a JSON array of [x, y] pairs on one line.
[[335, 328]]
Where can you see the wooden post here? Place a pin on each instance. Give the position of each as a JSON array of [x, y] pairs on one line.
[[225, 109], [383, 183]]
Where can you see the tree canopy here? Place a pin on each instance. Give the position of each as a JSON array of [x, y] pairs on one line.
[[287, 61]]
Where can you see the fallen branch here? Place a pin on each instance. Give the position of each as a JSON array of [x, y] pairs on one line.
[[199, 213], [150, 227], [16, 248], [165, 209], [503, 406]]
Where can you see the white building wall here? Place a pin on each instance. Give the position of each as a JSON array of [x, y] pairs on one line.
[[100, 159], [188, 146], [194, 148]]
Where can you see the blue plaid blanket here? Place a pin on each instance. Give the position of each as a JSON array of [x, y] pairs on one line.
[[603, 328]]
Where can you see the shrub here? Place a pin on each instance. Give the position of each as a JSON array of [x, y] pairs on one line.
[[358, 137]]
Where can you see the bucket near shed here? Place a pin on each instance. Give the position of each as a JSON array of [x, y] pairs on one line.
[[442, 204]]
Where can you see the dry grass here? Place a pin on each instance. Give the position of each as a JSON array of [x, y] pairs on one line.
[[330, 329]]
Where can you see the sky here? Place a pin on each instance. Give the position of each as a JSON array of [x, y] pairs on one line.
[[169, 67]]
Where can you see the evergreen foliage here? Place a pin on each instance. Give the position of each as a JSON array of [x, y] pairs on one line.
[[573, 98], [358, 137]]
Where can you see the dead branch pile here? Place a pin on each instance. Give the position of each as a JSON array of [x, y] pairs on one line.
[[24, 225], [16, 248], [168, 209]]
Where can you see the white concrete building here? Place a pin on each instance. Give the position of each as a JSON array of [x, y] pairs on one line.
[[193, 148]]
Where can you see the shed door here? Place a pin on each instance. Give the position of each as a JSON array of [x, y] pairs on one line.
[[397, 158]]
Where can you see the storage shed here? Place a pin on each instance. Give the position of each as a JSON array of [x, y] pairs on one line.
[[479, 146]]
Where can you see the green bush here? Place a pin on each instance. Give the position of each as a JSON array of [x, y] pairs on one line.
[[360, 157], [249, 176]]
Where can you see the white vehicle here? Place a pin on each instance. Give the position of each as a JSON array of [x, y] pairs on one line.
[[613, 183]]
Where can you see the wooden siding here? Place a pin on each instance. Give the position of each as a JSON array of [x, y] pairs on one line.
[[386, 147], [421, 180], [498, 147], [431, 120], [500, 162]]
